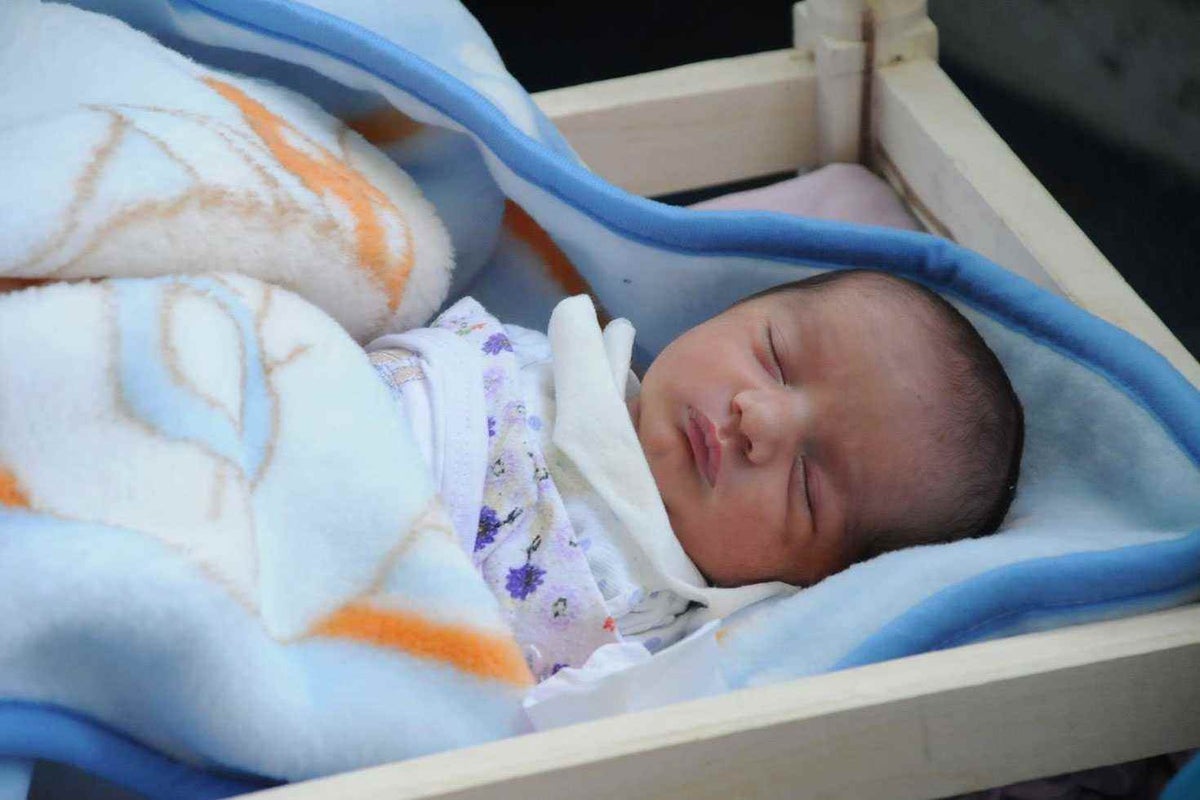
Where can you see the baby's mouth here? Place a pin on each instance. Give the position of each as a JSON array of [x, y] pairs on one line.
[[706, 447]]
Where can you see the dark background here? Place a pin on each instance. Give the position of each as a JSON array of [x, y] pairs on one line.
[[1140, 213]]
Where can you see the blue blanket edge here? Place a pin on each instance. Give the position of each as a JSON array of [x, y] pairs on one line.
[[47, 732], [1077, 587]]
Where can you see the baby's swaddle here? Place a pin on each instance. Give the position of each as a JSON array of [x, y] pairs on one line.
[[522, 540], [148, 163], [575, 563], [644, 609]]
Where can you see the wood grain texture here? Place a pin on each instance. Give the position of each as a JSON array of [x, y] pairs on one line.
[[920, 727], [697, 125]]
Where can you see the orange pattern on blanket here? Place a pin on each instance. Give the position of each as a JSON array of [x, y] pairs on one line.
[[17, 284], [561, 270], [384, 126], [11, 494], [323, 172], [468, 650]]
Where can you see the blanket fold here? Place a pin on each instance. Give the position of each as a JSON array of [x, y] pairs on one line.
[[147, 163], [207, 549]]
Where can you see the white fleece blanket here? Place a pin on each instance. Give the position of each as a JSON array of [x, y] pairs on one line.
[[217, 538]]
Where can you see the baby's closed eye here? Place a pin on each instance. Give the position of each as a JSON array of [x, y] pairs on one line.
[[776, 364], [800, 483]]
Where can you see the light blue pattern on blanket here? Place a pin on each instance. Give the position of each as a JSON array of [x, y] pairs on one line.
[[170, 407], [1108, 520], [222, 547]]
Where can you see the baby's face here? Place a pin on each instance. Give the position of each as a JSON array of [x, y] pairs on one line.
[[783, 429]]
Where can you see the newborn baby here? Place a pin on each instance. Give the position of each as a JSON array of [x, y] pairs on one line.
[[822, 422], [804, 429]]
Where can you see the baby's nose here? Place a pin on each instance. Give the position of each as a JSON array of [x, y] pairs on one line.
[[769, 422]]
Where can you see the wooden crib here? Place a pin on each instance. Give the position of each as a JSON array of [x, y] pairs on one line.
[[861, 84]]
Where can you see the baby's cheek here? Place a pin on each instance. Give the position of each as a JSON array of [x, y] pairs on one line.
[[711, 539], [751, 542]]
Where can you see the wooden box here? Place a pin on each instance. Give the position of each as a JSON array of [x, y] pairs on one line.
[[861, 84]]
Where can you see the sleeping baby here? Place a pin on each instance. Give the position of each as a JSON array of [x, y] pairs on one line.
[[804, 429]]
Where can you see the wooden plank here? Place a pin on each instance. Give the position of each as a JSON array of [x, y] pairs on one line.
[[964, 182], [697, 125], [848, 38], [921, 727]]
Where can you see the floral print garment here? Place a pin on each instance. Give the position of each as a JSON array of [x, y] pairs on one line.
[[525, 546]]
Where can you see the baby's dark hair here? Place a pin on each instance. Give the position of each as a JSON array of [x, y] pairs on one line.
[[984, 425]]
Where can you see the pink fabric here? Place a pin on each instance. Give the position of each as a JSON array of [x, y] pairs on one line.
[[844, 192]]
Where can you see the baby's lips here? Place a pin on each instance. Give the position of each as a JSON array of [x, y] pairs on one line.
[[716, 455], [696, 444], [711, 444]]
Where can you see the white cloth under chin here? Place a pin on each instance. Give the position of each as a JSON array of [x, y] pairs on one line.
[[594, 434]]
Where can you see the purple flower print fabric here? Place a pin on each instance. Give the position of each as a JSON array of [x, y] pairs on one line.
[[525, 546]]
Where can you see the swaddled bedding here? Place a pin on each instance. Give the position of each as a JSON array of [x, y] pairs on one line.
[[217, 538], [532, 446], [1107, 519]]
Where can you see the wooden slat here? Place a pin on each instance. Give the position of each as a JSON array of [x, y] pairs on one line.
[[921, 727], [697, 125], [965, 183]]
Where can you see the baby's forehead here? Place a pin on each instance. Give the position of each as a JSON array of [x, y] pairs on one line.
[[868, 305], [879, 350]]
